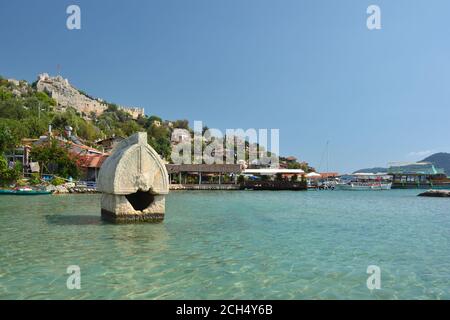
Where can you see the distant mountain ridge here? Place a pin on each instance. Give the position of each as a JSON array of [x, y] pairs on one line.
[[372, 170], [440, 160]]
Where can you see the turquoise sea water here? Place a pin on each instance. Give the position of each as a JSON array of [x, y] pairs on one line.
[[230, 245]]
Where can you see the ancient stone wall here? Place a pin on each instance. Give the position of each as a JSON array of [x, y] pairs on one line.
[[68, 96]]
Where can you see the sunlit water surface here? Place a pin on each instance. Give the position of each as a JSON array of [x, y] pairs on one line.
[[230, 245]]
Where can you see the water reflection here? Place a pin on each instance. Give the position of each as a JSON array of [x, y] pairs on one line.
[[122, 237], [76, 220]]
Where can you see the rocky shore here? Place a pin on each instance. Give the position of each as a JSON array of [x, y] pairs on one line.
[[70, 188], [436, 193]]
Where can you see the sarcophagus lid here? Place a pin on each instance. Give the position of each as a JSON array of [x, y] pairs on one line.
[[134, 166]]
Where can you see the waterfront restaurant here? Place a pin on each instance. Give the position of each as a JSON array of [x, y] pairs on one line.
[[274, 179], [209, 174], [272, 172], [417, 175]]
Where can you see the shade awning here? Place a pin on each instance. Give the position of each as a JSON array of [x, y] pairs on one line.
[[313, 175], [270, 171]]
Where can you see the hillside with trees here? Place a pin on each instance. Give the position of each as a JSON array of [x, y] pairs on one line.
[[27, 113]]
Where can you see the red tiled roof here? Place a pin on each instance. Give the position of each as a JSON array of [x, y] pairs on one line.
[[83, 147], [329, 174], [94, 161]]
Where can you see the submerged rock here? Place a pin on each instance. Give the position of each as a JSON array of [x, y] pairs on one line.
[[436, 193]]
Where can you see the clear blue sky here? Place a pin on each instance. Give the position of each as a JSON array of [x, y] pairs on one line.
[[310, 68]]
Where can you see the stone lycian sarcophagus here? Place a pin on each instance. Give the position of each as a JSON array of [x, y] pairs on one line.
[[134, 183]]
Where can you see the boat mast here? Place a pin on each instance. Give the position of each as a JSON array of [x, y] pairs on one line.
[[328, 142], [327, 154]]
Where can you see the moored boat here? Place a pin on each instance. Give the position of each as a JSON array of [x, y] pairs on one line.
[[24, 192], [363, 186], [365, 182]]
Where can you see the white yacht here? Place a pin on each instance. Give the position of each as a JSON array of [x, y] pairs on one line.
[[365, 181]]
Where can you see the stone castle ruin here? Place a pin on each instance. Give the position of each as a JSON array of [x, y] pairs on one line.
[[133, 182], [67, 95]]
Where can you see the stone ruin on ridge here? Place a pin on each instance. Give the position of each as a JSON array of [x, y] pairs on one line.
[[134, 183]]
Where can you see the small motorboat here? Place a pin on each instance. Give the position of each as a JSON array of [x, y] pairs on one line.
[[24, 192]]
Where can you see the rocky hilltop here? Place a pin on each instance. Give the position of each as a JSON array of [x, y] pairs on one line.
[[66, 95]]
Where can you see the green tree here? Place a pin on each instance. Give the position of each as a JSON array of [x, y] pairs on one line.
[[155, 118], [182, 124], [17, 128], [8, 175], [112, 107], [56, 159], [13, 109], [7, 139], [88, 131], [45, 99], [159, 138], [66, 118], [130, 127], [5, 94], [35, 127]]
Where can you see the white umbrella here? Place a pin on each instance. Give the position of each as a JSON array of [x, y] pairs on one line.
[[313, 175]]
